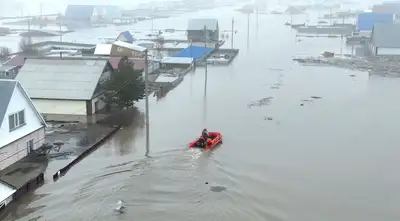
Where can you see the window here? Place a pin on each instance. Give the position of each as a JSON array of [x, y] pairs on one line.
[[16, 120]]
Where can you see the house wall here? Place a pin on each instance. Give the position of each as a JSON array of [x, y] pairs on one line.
[[198, 35], [68, 107], [388, 51], [17, 103], [121, 52], [17, 150], [97, 104]]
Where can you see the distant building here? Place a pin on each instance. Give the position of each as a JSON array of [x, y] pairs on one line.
[[65, 89], [92, 13], [125, 36], [197, 33], [385, 40], [22, 127], [366, 21], [79, 14]]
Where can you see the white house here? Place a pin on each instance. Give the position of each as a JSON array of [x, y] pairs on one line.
[[385, 40], [6, 194], [22, 127], [67, 89]]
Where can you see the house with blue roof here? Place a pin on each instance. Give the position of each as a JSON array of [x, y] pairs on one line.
[[367, 20], [125, 36], [195, 52]]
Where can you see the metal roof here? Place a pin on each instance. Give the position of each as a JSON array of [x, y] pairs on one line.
[[103, 49], [386, 35], [68, 79], [366, 21], [130, 46], [198, 24], [176, 60], [6, 90], [127, 35], [195, 52]]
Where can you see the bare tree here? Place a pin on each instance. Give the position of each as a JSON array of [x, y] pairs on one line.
[[4, 53], [25, 45]]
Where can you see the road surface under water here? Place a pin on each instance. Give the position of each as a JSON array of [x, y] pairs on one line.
[[332, 157]]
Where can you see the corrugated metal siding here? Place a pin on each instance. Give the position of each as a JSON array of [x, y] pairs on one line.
[[388, 51], [66, 107]]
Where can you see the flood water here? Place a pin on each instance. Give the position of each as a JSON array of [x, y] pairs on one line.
[[332, 157]]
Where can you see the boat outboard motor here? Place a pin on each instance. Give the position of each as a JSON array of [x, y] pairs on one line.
[[120, 207]]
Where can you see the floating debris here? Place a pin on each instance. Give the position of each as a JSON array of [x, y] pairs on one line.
[[120, 207], [276, 69], [217, 189], [268, 118], [261, 102], [316, 97]]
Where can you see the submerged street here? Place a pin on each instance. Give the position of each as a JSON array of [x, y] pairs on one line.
[[323, 148]]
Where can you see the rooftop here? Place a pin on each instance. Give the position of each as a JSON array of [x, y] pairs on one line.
[[130, 46], [6, 90], [366, 21], [103, 49], [198, 24], [28, 168], [69, 79]]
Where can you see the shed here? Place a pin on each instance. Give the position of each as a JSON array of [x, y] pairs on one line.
[[366, 21], [385, 39], [195, 52], [196, 31], [64, 86]]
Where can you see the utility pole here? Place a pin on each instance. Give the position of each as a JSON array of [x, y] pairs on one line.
[[61, 33], [205, 57], [248, 29], [146, 83], [205, 79], [233, 21]]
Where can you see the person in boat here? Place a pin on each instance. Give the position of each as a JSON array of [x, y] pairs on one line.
[[204, 139]]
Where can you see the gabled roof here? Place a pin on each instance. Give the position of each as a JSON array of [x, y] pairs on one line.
[[64, 79], [79, 11], [7, 88], [386, 35], [130, 46], [198, 24], [127, 35]]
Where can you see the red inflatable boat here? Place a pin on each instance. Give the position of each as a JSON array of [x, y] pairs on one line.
[[215, 137]]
